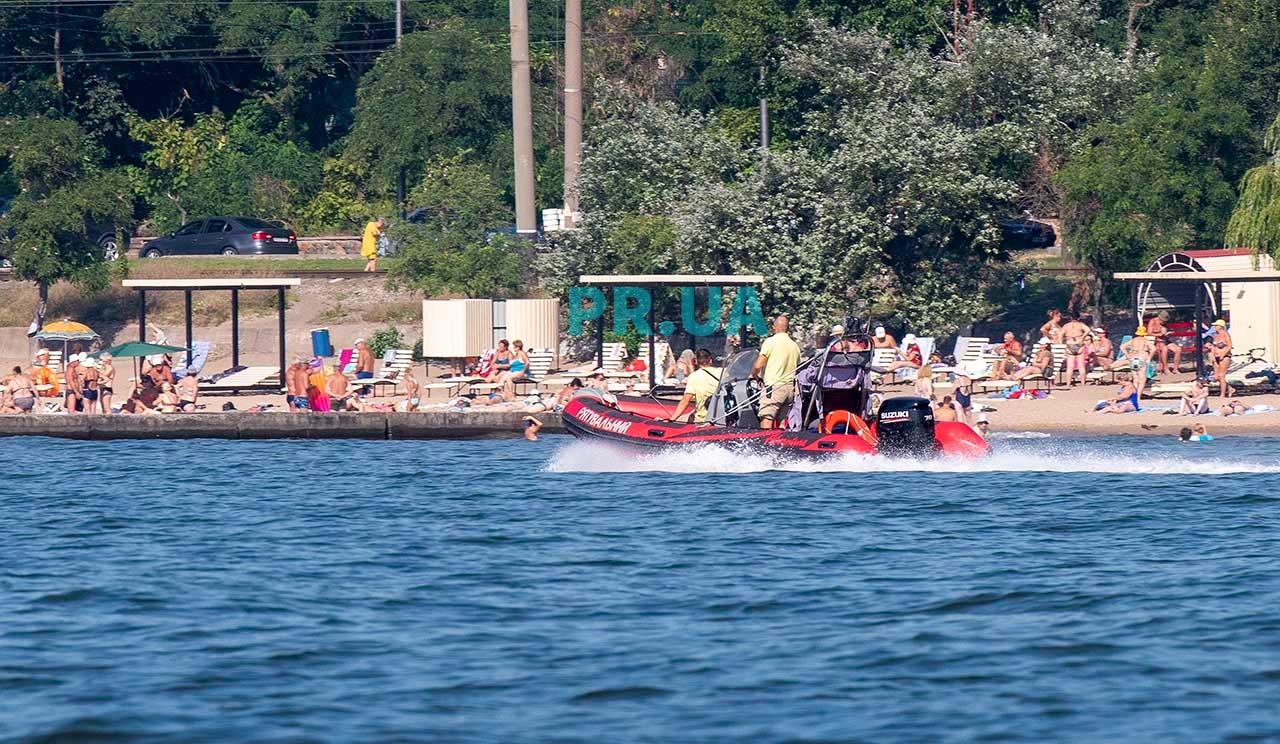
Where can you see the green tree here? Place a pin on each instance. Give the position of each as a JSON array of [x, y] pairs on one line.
[[64, 191], [1255, 222], [452, 249], [444, 91]]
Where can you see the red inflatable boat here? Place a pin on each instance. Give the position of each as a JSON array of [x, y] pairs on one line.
[[902, 427]]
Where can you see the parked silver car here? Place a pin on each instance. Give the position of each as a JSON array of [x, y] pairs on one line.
[[229, 236]]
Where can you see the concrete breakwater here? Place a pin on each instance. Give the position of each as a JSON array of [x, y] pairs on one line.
[[283, 425]]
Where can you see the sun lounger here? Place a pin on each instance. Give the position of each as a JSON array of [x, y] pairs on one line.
[[614, 354], [540, 363], [662, 350], [394, 364], [881, 359], [969, 356], [451, 385], [907, 374], [249, 377]]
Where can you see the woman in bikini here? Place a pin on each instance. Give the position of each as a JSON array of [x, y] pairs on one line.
[[682, 367], [1052, 328], [1126, 399], [106, 382], [1042, 361], [1221, 354], [22, 392], [1159, 332], [518, 369], [501, 361], [168, 400], [89, 385], [1138, 352], [1101, 352]]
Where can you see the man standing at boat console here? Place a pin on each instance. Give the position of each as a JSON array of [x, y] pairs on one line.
[[779, 357]]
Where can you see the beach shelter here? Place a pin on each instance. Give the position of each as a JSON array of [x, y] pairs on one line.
[[65, 332]]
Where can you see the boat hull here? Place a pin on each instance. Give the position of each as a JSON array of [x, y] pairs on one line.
[[593, 419]]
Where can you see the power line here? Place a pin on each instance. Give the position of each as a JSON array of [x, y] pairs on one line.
[[341, 47], [173, 55]]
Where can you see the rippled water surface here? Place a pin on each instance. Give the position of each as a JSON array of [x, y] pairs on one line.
[[1122, 590]]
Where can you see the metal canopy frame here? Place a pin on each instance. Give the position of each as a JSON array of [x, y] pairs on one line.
[[188, 286], [1201, 280], [661, 281]]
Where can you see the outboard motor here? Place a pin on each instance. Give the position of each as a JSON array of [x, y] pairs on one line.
[[904, 426]]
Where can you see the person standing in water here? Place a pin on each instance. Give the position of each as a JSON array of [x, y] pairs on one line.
[[776, 368]]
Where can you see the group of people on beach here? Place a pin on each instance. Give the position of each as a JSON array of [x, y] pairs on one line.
[[88, 385], [312, 385]]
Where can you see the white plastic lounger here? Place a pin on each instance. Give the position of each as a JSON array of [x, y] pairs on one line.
[[247, 377], [394, 364]]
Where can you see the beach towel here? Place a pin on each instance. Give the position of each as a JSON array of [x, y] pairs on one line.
[[319, 400], [199, 355], [484, 367], [345, 359]]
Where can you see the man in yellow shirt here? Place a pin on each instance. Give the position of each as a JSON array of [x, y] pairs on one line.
[[699, 387], [369, 243], [779, 357]]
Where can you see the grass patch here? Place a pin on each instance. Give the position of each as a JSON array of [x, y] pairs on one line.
[[188, 266], [399, 311]]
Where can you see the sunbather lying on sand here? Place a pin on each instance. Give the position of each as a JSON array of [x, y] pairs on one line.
[[1233, 408]]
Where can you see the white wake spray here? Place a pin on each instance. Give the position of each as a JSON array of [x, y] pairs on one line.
[[1026, 455]]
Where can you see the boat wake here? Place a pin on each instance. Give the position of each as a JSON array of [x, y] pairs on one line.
[[1025, 456]]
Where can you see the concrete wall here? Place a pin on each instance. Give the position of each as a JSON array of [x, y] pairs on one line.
[[433, 425]]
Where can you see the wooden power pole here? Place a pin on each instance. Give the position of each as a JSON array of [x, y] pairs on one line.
[[522, 119]]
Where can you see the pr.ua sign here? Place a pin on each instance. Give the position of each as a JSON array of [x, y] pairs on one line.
[[632, 305]]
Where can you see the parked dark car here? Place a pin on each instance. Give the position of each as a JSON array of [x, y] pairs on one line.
[[105, 235], [1024, 234], [229, 236]]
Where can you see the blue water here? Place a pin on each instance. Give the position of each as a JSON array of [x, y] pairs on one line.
[[1074, 590]]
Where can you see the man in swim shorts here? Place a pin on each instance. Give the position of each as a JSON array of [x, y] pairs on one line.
[[1073, 335]]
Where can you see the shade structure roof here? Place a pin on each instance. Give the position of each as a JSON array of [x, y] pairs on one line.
[[1192, 277], [245, 283], [671, 280]]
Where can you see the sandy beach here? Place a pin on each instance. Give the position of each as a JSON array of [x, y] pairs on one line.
[[1066, 411]]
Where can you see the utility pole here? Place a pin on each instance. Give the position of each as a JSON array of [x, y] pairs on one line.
[[764, 114], [57, 49], [399, 22], [572, 106], [400, 195], [522, 119]]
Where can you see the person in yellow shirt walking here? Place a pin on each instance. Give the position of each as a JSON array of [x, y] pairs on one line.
[[699, 387], [779, 357], [369, 243]]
